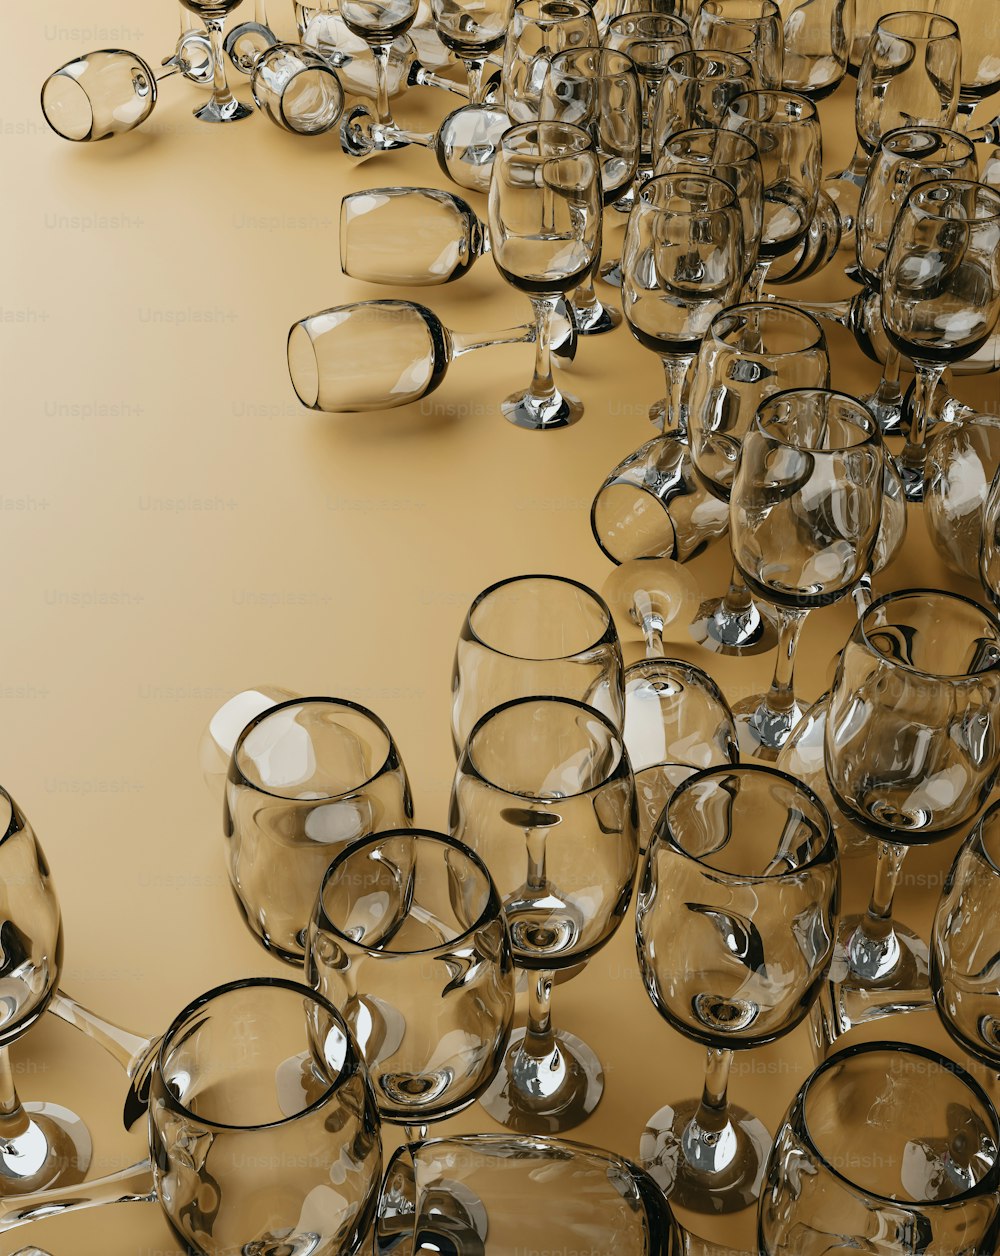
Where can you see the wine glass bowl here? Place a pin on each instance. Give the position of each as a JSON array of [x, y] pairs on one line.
[[99, 95], [750, 28], [297, 89], [538, 30]]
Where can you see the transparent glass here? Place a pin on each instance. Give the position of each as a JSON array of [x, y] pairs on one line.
[[735, 931], [378, 23], [545, 234], [307, 778], [651, 40], [544, 794], [804, 516], [696, 92], [376, 355], [412, 236], [223, 107], [297, 90], [351, 57], [535, 635], [751, 28], [247, 42], [962, 461], [538, 30], [887, 1148], [99, 95], [751, 352], [471, 30], [816, 36], [989, 554], [409, 940]]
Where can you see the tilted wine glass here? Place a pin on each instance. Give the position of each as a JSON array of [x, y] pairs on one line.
[[751, 28], [374, 355], [545, 234], [735, 931], [223, 107], [544, 795], [297, 90]]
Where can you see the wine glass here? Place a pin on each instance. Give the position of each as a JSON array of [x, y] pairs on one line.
[[535, 635], [99, 95], [989, 552], [750, 28], [940, 292], [804, 515], [472, 29], [912, 751], [223, 107], [887, 1148], [962, 461], [297, 89], [785, 127], [597, 90], [816, 37], [249, 41], [696, 92], [373, 355], [263, 1130], [409, 941], [750, 353], [980, 55], [308, 776], [41, 1144], [544, 795], [539, 29], [651, 40], [735, 930], [378, 23], [545, 234], [682, 263]]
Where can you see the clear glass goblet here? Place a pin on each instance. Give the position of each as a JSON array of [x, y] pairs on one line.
[[99, 95], [962, 461], [817, 34], [471, 30], [223, 107], [297, 90], [750, 28], [538, 31], [379, 23]]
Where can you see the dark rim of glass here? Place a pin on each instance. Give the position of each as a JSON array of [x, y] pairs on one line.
[[863, 624], [608, 636], [866, 421]]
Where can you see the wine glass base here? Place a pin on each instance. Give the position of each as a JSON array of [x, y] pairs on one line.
[[596, 319], [232, 111], [541, 413], [55, 1150], [717, 629], [731, 1184], [361, 135], [566, 1087], [611, 273], [762, 733]]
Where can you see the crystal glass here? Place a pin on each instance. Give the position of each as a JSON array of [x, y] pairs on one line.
[[735, 929], [989, 553], [888, 1148], [750, 353], [409, 940], [375, 355], [962, 461], [696, 92], [351, 57], [980, 54], [247, 42], [544, 795], [307, 778], [531, 636], [804, 515], [465, 144], [816, 37], [682, 264], [545, 233], [597, 90], [99, 95], [940, 292], [41, 1144], [912, 751], [297, 90], [223, 107], [472, 29], [539, 29], [263, 1131], [652, 40], [412, 236], [378, 23], [192, 55], [751, 28]]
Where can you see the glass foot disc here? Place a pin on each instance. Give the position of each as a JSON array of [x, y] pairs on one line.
[[716, 630], [213, 112], [55, 1150], [540, 414], [579, 1084]]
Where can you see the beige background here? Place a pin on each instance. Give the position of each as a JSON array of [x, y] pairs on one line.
[[175, 527]]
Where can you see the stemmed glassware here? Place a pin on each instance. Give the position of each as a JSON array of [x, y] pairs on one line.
[[539, 29], [544, 795], [980, 55], [297, 89], [696, 92], [940, 292], [735, 931], [816, 39], [751, 28], [99, 95], [962, 460], [804, 516], [751, 352], [545, 234], [333, 355], [246, 43], [651, 40], [378, 23], [472, 29], [912, 751], [223, 107]]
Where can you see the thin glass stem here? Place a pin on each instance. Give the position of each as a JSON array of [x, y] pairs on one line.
[[874, 948], [966, 108], [13, 1118], [754, 289], [129, 1050], [676, 369], [713, 1110], [737, 600], [469, 341], [260, 12], [542, 384], [380, 55], [539, 1038], [914, 452], [888, 391], [780, 699], [130, 1186], [415, 1133], [652, 631], [187, 19], [863, 593], [474, 75], [224, 98]]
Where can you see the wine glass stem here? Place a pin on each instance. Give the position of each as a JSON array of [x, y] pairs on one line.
[[676, 368], [652, 630], [966, 108], [542, 385], [224, 98], [863, 593], [928, 378], [874, 948], [539, 1040], [133, 1185], [380, 55], [713, 1111], [780, 699], [415, 1133], [758, 277], [187, 19], [13, 1118], [737, 600], [474, 76]]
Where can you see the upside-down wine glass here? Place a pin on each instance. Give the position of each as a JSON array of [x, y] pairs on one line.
[[544, 795], [223, 107], [545, 233], [750, 352], [940, 293], [735, 931], [804, 515]]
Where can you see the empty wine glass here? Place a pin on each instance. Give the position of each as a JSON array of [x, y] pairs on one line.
[[750, 352], [378, 23], [887, 1148], [980, 55], [297, 89], [544, 795], [697, 91], [472, 29], [750, 28], [41, 1144], [246, 43], [651, 40], [374, 355], [351, 57], [409, 941], [816, 38], [940, 292], [263, 1131], [223, 107], [192, 54], [307, 777], [804, 516], [539, 29], [530, 636], [912, 752], [98, 95], [962, 461], [735, 930], [545, 234]]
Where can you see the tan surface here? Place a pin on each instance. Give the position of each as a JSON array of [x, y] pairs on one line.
[[156, 462]]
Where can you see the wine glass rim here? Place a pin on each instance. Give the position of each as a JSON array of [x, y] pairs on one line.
[[608, 634], [825, 854], [862, 419], [707, 56], [711, 182], [939, 132], [387, 762], [622, 759], [538, 16], [985, 1186], [768, 8], [898, 595], [951, 26], [345, 1071], [779, 94], [792, 312], [491, 911], [922, 195], [669, 20], [515, 140]]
